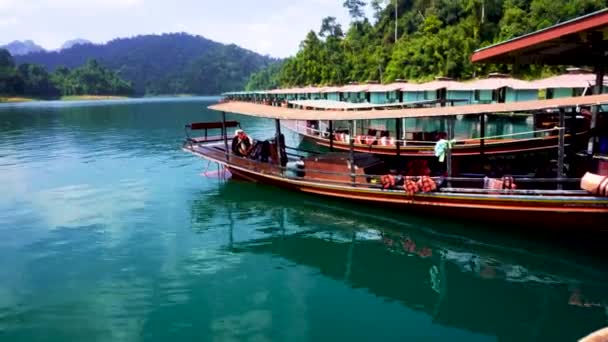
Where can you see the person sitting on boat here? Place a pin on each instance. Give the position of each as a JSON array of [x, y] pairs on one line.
[[241, 143]]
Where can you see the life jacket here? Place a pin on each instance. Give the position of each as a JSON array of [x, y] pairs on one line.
[[387, 181], [505, 183], [370, 140], [410, 186], [426, 184], [360, 139], [386, 141], [241, 147], [339, 136], [508, 183]]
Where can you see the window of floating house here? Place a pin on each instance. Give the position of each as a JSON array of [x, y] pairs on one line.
[[549, 93], [477, 95]]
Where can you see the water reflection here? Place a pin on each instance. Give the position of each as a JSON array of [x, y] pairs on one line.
[[513, 289]]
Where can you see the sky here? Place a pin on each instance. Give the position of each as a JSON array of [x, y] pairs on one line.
[[272, 27]]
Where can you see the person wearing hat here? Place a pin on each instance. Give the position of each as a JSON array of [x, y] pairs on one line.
[[241, 143]]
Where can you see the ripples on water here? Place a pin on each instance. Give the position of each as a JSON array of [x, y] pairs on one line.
[[108, 232]]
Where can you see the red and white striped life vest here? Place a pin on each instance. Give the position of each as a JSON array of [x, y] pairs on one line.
[[386, 141]]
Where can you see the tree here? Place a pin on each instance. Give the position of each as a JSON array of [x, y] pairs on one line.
[[330, 27], [355, 8], [436, 38], [36, 81]]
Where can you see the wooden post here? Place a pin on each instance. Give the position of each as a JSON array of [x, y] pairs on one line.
[[450, 125], [482, 135], [351, 151], [398, 134], [277, 124], [560, 148], [331, 135], [225, 136]]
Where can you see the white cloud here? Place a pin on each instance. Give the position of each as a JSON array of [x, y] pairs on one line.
[[273, 27]]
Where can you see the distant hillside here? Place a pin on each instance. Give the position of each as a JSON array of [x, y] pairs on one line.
[[74, 42], [17, 48], [164, 64]]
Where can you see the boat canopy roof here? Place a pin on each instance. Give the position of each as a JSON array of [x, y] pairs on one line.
[[342, 105], [265, 111], [580, 41]]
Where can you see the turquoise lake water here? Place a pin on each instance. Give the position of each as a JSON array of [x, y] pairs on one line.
[[109, 232]]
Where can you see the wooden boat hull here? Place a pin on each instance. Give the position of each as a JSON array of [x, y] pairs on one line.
[[551, 212]]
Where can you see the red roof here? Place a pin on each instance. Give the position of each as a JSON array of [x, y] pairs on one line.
[[574, 42]]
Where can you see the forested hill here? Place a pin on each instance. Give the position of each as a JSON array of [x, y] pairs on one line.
[[434, 38], [163, 64]]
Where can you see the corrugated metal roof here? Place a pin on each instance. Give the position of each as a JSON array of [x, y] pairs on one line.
[[578, 80], [264, 111], [433, 85], [331, 89], [354, 88], [381, 88], [342, 105], [492, 83]]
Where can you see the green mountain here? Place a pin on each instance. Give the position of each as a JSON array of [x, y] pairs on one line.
[[163, 64], [434, 38], [33, 80]]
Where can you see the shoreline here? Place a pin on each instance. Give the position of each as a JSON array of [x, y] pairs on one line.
[[73, 98], [21, 99]]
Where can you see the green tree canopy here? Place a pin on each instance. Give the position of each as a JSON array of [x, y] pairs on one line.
[[435, 38]]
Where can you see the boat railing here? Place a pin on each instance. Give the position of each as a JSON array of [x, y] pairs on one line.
[[403, 142], [351, 180]]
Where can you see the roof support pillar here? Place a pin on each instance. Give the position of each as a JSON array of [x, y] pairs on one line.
[[225, 136], [331, 135], [450, 126], [277, 124], [599, 83], [351, 151], [482, 135], [398, 123], [561, 144]]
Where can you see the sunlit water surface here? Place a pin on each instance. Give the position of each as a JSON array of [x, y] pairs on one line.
[[108, 232]]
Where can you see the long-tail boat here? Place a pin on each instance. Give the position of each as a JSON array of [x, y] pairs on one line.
[[548, 203], [421, 144], [558, 201]]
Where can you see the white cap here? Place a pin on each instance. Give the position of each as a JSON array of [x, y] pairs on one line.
[[238, 131]]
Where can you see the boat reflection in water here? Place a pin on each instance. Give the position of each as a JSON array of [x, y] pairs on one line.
[[515, 290]]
